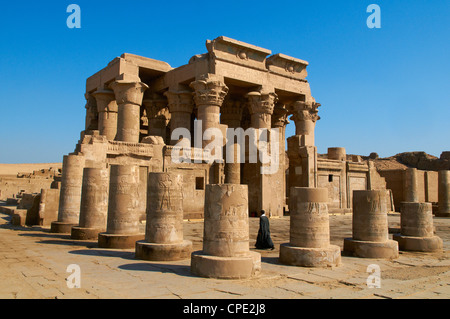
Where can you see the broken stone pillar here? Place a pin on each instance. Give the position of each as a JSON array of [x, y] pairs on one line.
[[129, 95], [48, 206], [443, 194], [337, 153], [309, 244], [158, 115], [181, 106], [123, 221], [107, 113], [226, 253], [70, 194], [417, 230], [302, 163], [370, 227], [410, 186], [94, 204], [164, 228]]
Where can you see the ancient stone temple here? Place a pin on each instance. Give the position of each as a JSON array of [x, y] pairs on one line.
[[218, 120], [136, 106]]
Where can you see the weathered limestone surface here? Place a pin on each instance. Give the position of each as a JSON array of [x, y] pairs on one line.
[[129, 95], [107, 113], [226, 252], [48, 206], [444, 193], [164, 228], [94, 204], [337, 153], [410, 188], [370, 227], [309, 230], [123, 229], [70, 195], [417, 230]]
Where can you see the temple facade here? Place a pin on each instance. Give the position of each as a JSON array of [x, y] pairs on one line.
[[135, 106]]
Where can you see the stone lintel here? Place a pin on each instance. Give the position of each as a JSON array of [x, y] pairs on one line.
[[121, 148], [223, 48], [287, 66]]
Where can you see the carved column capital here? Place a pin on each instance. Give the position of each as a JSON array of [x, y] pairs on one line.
[[304, 111], [180, 101], [231, 112], [261, 103], [128, 92], [156, 107], [279, 116], [106, 101], [209, 91]]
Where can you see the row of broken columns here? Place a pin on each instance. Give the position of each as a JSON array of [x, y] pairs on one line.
[[108, 202], [102, 203]]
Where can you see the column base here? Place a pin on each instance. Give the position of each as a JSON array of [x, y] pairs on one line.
[[115, 241], [371, 249], [226, 267], [163, 252], [61, 227], [310, 257], [83, 233], [424, 244]]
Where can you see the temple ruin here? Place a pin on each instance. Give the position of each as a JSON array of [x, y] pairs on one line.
[[134, 175], [135, 104]]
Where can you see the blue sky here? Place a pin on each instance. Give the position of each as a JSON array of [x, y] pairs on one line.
[[382, 90]]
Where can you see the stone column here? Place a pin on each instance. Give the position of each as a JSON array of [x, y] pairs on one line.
[[231, 116], [305, 116], [164, 228], [309, 231], [129, 97], [94, 204], [370, 227], [70, 195], [443, 193], [417, 230], [107, 113], [122, 230], [209, 93], [158, 115], [337, 153], [410, 187], [261, 107], [226, 252], [181, 106]]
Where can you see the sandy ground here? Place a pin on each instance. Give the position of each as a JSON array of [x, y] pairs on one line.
[[13, 169], [33, 264]]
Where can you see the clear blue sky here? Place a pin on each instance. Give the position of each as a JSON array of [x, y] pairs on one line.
[[382, 90]]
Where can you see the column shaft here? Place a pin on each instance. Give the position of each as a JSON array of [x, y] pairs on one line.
[[129, 97]]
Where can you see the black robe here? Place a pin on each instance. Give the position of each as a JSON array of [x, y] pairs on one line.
[[263, 241]]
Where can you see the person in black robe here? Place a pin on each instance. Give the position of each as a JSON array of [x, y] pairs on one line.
[[263, 241]]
